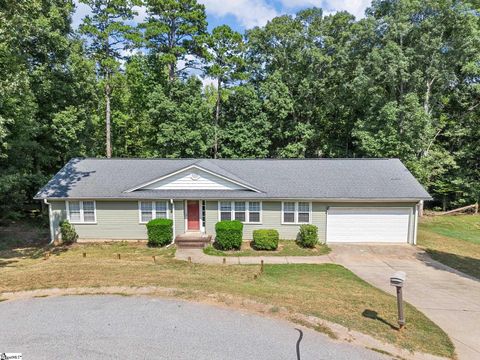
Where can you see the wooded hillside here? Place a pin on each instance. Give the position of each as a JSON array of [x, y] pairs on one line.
[[401, 82]]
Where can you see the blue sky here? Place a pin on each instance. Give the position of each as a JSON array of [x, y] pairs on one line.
[[245, 14]]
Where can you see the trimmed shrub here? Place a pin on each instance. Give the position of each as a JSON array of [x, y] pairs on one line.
[[160, 232], [229, 234], [308, 236], [69, 235], [265, 239]]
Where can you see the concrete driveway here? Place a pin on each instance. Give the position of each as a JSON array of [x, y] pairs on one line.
[[115, 327], [450, 298]]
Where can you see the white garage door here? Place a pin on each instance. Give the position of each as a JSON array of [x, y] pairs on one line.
[[382, 225]]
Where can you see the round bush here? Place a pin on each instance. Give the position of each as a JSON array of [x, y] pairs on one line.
[[265, 239], [69, 235], [229, 234], [308, 236], [160, 232]]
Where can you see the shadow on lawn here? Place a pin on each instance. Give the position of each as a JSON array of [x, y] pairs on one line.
[[18, 243], [465, 266], [371, 314]]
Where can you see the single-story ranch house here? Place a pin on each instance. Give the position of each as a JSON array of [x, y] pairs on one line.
[[349, 200]]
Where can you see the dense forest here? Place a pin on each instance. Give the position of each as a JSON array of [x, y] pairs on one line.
[[401, 82]]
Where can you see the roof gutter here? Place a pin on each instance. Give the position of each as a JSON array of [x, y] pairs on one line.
[[50, 220], [173, 219], [264, 198]]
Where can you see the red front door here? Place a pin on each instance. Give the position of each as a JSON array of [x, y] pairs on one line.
[[193, 221]]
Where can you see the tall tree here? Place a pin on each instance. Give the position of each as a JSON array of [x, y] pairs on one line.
[[180, 122], [71, 127], [173, 32], [132, 124], [109, 36], [40, 79], [226, 64], [246, 127], [291, 59], [417, 82]]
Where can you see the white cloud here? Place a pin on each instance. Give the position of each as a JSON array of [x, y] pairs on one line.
[[248, 13], [81, 10], [141, 14], [208, 81], [355, 7]]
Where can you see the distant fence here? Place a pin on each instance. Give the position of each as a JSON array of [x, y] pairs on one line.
[[473, 207]]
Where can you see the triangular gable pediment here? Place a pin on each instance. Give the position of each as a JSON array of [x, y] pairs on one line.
[[193, 178]]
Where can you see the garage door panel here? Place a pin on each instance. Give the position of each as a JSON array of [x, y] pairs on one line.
[[383, 225]]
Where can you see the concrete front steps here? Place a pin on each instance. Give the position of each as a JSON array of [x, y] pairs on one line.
[[192, 240]]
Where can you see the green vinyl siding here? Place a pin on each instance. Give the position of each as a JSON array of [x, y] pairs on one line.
[[179, 217], [271, 219], [58, 213], [119, 220], [116, 220]]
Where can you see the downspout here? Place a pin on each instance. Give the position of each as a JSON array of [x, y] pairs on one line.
[[50, 220], [173, 219], [415, 224]]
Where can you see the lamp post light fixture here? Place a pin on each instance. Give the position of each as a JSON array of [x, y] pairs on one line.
[[398, 280]]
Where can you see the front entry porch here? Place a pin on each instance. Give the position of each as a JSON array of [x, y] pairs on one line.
[[194, 236], [192, 240]]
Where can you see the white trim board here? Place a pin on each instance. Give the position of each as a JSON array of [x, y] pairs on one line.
[[82, 216], [154, 209], [247, 211], [296, 212], [200, 169]]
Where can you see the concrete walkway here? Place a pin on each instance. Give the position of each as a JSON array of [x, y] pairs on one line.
[[197, 256]]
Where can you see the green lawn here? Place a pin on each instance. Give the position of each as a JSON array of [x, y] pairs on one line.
[[462, 227], [285, 248], [453, 240], [326, 291]]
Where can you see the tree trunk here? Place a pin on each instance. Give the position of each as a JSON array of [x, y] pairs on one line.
[[107, 119], [444, 203], [217, 117], [172, 35], [426, 104], [171, 71], [402, 115]]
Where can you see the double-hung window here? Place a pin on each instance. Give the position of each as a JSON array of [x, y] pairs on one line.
[[81, 212], [244, 211], [254, 209], [289, 212], [240, 211], [153, 210], [303, 212], [296, 212], [161, 210], [225, 210]]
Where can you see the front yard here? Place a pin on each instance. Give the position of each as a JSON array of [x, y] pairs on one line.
[[453, 240], [327, 291], [285, 248]]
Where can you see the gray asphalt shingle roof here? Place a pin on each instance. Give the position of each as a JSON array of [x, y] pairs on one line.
[[383, 179]]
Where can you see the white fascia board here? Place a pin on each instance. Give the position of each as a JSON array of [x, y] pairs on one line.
[[188, 168]]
